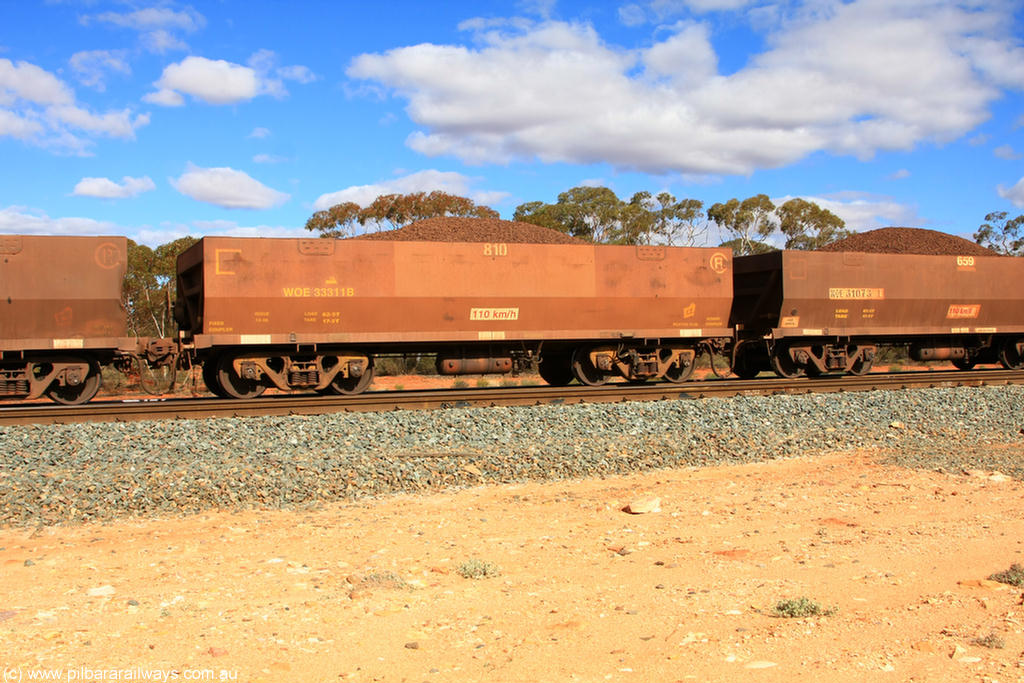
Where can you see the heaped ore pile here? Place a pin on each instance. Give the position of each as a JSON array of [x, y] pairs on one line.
[[909, 241], [458, 229]]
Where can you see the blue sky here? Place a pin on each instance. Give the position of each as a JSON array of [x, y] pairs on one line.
[[161, 119]]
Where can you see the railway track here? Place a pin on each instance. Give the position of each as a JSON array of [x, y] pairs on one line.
[[435, 399]]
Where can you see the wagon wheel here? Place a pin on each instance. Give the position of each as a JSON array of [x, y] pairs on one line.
[[861, 366], [680, 373], [210, 378], [349, 386], [747, 365], [230, 384], [1010, 354], [80, 393], [554, 368], [783, 365], [584, 370], [964, 363]]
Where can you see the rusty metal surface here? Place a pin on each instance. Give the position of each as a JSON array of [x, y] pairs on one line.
[[61, 292], [800, 293], [288, 291]]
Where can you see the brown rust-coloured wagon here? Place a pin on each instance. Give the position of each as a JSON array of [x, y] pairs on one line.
[[313, 313], [62, 316], [817, 312]]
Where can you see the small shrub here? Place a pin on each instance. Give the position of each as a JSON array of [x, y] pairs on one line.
[[508, 382], [798, 608], [460, 384], [1013, 576], [478, 569], [381, 579], [483, 382], [399, 387], [991, 641]]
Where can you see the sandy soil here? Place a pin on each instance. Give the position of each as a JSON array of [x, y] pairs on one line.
[[372, 591]]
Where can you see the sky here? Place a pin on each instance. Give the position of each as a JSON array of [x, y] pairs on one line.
[[157, 119]]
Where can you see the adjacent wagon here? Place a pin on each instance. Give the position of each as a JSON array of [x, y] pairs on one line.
[[62, 315], [815, 312]]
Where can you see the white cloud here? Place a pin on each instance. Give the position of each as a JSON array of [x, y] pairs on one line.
[[846, 78], [268, 159], [899, 175], [228, 188], [105, 188], [24, 221], [260, 133], [91, 66], [39, 108], [17, 126], [1006, 152], [632, 15], [217, 81], [300, 74], [214, 81], [1015, 194], [162, 41], [165, 98], [115, 124], [863, 211], [151, 19], [233, 229], [28, 82], [421, 181], [156, 25]]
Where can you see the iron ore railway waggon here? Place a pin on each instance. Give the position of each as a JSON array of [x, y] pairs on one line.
[[312, 314], [315, 314], [62, 317], [807, 312]]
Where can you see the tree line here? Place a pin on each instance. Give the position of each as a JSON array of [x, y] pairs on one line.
[[596, 214]]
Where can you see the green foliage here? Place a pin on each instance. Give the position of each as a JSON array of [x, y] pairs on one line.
[[416, 364], [798, 608], [585, 212], [752, 247], [598, 215], [337, 221], [150, 285], [1001, 234], [395, 210], [1013, 576], [808, 226], [749, 221], [478, 569], [752, 221], [663, 219], [381, 579]]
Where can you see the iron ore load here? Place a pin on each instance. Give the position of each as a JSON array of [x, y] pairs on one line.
[[498, 297]]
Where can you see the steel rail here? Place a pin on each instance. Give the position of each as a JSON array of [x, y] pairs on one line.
[[434, 399]]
